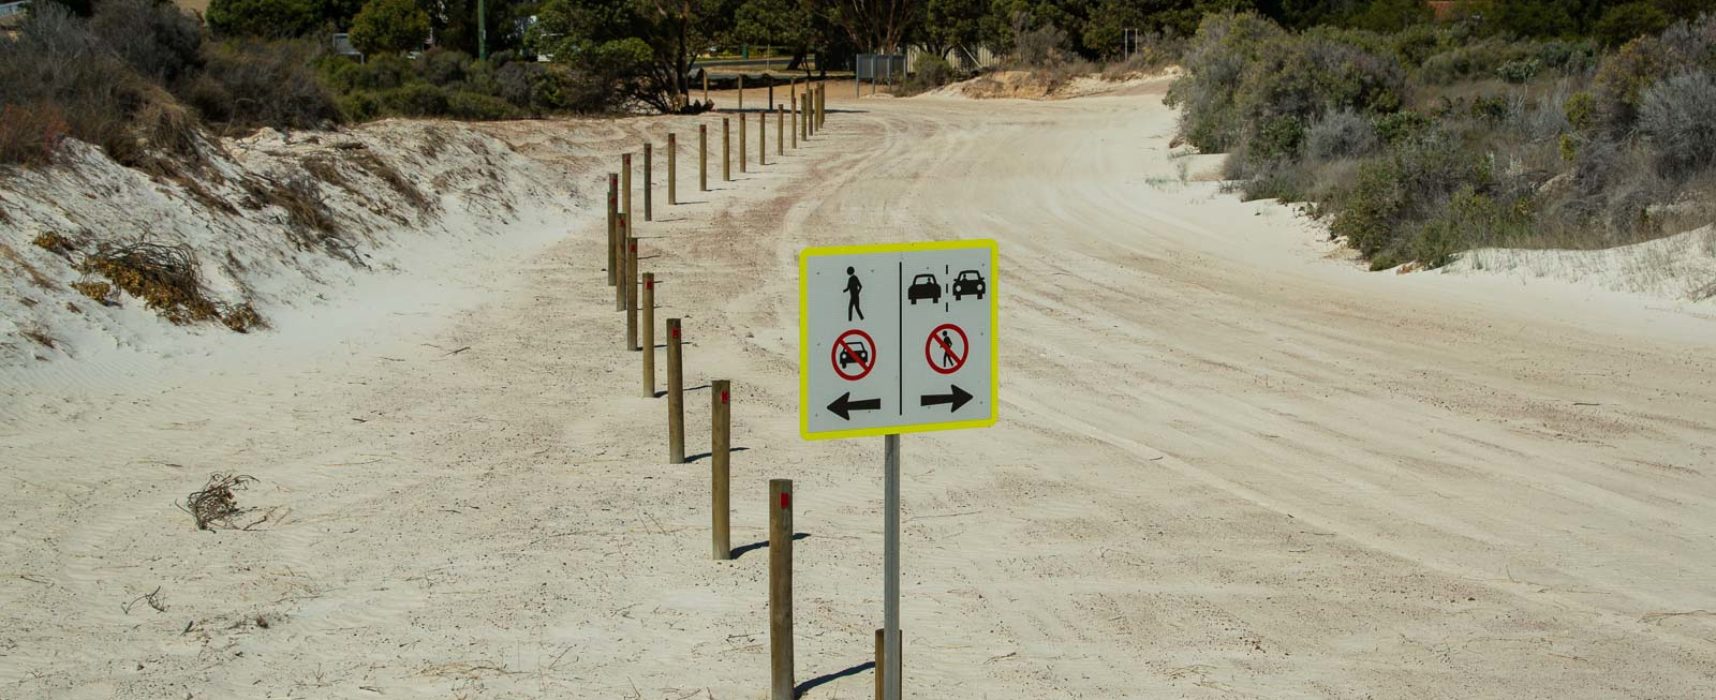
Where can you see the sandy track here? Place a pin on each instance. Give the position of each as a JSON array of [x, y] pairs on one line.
[[1226, 466]]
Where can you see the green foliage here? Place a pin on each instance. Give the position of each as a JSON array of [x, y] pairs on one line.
[[251, 83], [643, 55], [1581, 110], [265, 19], [1623, 23], [389, 26], [1250, 84]]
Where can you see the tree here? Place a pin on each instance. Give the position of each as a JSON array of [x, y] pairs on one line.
[[643, 49], [389, 26], [952, 25], [266, 19], [875, 25]]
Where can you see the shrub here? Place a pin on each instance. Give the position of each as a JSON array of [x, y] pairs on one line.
[[1340, 134], [463, 104], [254, 83], [1401, 127], [155, 38], [64, 81], [415, 100], [1679, 116], [1623, 23], [930, 73], [31, 133], [1517, 72], [262, 19], [389, 26]]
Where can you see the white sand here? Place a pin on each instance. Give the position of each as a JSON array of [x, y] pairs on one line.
[[1227, 465]]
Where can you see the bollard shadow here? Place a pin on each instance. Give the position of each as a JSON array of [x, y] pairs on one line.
[[703, 455], [799, 690], [740, 551], [695, 388]]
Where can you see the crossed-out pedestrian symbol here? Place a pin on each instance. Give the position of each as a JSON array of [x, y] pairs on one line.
[[946, 348]]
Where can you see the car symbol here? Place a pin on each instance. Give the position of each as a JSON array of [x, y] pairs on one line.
[[924, 287], [846, 358], [969, 283]]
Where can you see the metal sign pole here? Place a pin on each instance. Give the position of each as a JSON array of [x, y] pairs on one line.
[[891, 565]]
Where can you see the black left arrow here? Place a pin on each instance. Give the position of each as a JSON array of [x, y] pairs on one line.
[[958, 397], [844, 405]]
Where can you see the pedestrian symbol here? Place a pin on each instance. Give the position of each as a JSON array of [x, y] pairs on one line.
[[946, 349], [853, 287]]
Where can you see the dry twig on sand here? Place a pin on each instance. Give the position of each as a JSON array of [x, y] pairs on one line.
[[215, 505]]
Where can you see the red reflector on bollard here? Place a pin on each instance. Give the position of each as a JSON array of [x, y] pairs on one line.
[[723, 397], [786, 500]]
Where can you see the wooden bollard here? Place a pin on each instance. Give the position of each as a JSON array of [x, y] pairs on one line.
[[742, 123], [632, 294], [646, 322], [741, 92], [613, 228], [881, 662], [809, 127], [672, 170], [702, 157], [780, 589], [675, 396], [726, 150], [780, 131], [624, 232], [762, 138], [648, 181], [720, 443], [626, 187], [822, 105], [794, 109]]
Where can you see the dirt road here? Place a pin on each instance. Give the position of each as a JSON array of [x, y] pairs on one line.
[[1229, 463]]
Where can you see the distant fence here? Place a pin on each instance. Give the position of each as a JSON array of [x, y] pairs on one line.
[[961, 59], [13, 12]]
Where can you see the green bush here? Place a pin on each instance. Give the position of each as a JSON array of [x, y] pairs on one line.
[[417, 99], [462, 104], [251, 83], [263, 19], [1623, 23], [389, 26]]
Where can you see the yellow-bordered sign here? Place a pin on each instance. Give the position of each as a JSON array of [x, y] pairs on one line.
[[898, 338]]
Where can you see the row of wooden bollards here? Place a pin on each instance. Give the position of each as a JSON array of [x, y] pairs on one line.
[[635, 294]]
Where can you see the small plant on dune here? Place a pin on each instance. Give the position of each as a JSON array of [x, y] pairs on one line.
[[54, 243], [164, 277]]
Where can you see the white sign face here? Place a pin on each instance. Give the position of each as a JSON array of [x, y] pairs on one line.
[[897, 338]]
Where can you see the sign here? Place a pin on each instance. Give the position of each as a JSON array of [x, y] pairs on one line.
[[897, 338]]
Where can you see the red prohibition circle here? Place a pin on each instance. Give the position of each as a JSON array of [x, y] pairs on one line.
[[935, 340], [853, 355]]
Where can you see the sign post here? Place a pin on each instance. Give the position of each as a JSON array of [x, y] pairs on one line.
[[897, 338]]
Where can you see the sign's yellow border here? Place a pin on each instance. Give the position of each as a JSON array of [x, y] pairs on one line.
[[804, 257]]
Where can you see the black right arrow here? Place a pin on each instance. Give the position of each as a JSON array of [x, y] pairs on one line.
[[844, 405], [957, 397]]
